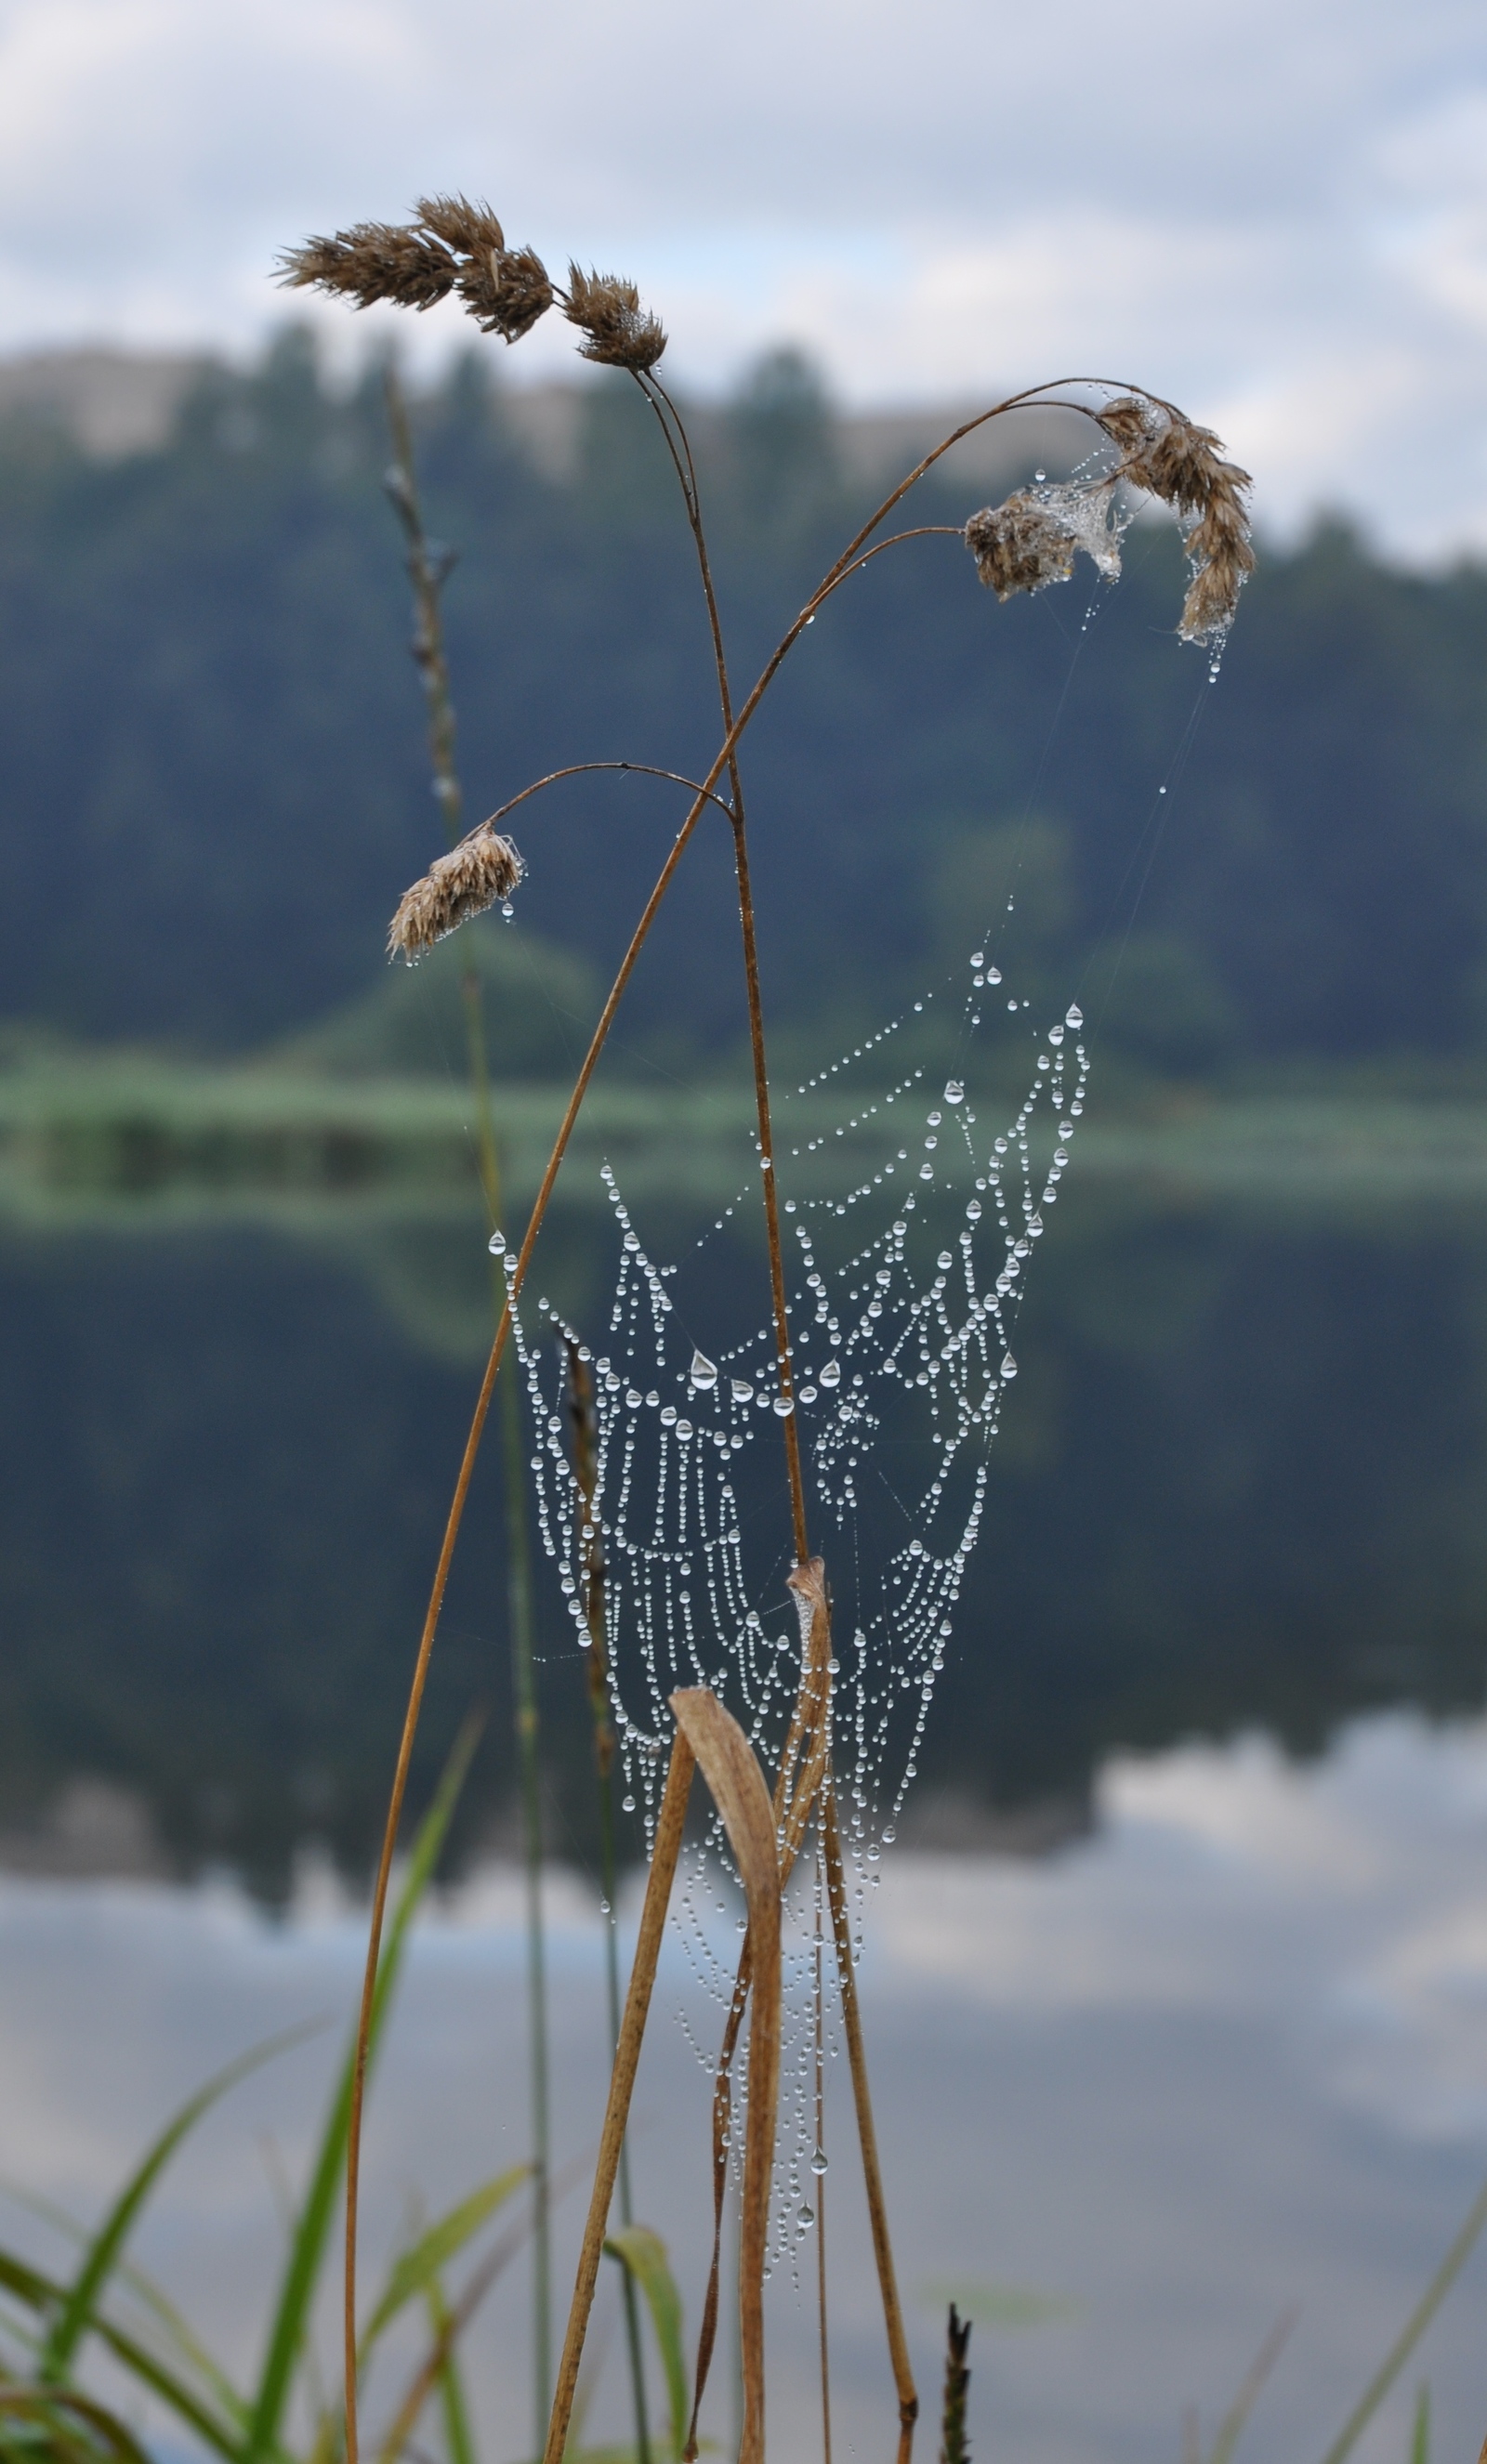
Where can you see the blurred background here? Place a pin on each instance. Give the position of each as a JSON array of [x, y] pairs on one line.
[[1236, 1558]]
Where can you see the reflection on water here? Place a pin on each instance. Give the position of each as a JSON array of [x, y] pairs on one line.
[[1227, 2055], [1241, 1482]]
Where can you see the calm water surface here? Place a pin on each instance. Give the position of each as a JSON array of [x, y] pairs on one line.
[[1226, 2057], [1220, 2050]]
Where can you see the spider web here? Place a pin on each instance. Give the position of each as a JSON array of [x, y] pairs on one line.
[[914, 1198]]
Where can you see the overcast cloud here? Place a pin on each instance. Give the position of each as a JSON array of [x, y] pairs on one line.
[[1277, 216]]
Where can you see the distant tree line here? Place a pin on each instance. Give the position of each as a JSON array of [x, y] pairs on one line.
[[212, 786]]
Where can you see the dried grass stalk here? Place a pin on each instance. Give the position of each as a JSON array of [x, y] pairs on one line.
[[669, 1829], [617, 331], [711, 1737], [482, 869], [867, 2133], [811, 1720], [731, 1769]]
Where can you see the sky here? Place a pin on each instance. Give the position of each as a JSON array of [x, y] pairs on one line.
[[1275, 216]]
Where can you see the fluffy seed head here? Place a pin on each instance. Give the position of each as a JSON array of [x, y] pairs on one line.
[[472, 877], [1019, 546], [374, 261], [619, 332]]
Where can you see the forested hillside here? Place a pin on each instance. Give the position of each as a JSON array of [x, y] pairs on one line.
[[213, 784]]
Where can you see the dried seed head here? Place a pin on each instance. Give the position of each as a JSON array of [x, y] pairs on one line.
[[472, 877], [1020, 545], [1129, 422], [470, 230], [506, 291], [1183, 465], [1223, 560], [620, 334], [374, 261], [505, 288]]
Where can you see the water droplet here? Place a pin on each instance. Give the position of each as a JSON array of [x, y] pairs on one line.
[[628, 1806], [1040, 474], [993, 974], [1034, 1224], [1074, 1016], [743, 1390], [807, 1393], [954, 1091], [978, 957], [889, 1835], [508, 911], [669, 1417], [683, 1430], [974, 1211], [944, 1260], [926, 1172], [1008, 1365], [1012, 1004], [497, 1245], [703, 1371], [807, 2215], [1056, 1036], [653, 1399], [784, 1405], [818, 2162], [633, 1399], [831, 1373]]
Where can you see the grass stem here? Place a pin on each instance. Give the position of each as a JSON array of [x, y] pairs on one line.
[[428, 573]]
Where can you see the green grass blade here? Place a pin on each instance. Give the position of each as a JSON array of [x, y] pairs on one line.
[[643, 2254], [458, 2438], [307, 2250], [72, 2429], [40, 2293], [1413, 2329], [1254, 2379], [99, 2258], [168, 2317], [430, 2254], [1420, 2436]]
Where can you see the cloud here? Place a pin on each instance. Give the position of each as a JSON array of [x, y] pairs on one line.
[[1281, 220]]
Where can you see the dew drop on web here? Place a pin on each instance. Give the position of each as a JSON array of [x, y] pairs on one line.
[[703, 1371]]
